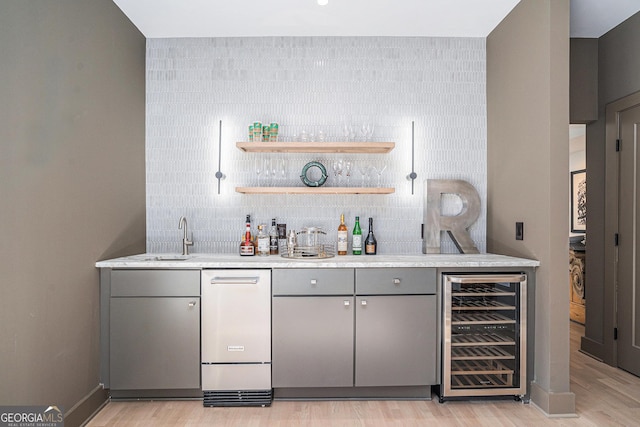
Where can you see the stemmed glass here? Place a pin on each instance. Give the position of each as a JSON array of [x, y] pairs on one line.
[[267, 170], [363, 168], [369, 128], [366, 131], [379, 171], [337, 170], [348, 132], [363, 132], [347, 167], [258, 167], [274, 169]]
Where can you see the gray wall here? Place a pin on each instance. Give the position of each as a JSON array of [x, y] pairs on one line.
[[527, 168], [312, 84], [583, 87], [72, 188], [618, 76]]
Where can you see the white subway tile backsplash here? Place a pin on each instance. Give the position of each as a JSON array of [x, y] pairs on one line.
[[309, 84]]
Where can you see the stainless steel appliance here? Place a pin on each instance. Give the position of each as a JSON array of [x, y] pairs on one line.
[[484, 335], [236, 337]]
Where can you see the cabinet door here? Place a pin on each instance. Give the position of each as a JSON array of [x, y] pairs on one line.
[[155, 343], [396, 340], [312, 341]]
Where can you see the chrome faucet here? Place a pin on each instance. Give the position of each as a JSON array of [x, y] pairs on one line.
[[185, 240]]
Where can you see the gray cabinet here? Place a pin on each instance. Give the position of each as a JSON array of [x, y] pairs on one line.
[[312, 343], [312, 328], [154, 330], [388, 338], [396, 342], [396, 327]]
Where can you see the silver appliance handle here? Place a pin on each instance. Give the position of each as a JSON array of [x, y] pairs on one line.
[[235, 280], [486, 278]]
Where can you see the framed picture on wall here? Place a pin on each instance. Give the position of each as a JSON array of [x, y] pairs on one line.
[[579, 201]]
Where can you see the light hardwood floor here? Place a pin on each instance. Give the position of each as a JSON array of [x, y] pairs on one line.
[[605, 396]]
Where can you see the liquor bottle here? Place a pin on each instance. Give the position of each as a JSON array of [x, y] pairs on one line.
[[246, 246], [343, 236], [273, 238], [263, 241], [370, 245], [357, 238]]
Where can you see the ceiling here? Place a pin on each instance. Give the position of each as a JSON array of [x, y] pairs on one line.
[[425, 18]]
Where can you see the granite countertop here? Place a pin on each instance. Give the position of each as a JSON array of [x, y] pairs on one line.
[[200, 261]]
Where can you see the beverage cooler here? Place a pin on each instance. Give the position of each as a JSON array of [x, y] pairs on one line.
[[484, 335]]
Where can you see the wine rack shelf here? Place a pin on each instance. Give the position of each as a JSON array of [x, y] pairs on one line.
[[314, 190], [316, 147]]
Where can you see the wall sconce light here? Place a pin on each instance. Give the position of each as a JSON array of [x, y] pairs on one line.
[[413, 175], [219, 175], [323, 2]]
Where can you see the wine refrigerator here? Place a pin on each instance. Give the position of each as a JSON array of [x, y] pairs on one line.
[[484, 347]]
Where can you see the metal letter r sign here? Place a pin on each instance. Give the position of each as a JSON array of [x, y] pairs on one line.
[[457, 226]]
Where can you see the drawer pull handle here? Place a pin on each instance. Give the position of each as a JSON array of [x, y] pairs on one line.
[[347, 303], [192, 304], [363, 302], [235, 280], [396, 281], [314, 282]]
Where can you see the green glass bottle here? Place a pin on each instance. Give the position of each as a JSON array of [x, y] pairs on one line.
[[357, 238]]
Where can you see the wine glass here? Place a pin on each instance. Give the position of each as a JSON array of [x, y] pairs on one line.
[[274, 168], [267, 170], [283, 171], [258, 167], [340, 166], [363, 132], [347, 167], [369, 128]]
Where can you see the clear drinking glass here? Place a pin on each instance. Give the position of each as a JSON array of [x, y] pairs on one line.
[[363, 168], [258, 167], [347, 167], [379, 171]]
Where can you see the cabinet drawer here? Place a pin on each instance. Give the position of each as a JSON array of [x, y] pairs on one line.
[[312, 281], [408, 281], [130, 283]]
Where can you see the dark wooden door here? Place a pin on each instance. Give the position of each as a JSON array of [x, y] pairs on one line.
[[629, 242]]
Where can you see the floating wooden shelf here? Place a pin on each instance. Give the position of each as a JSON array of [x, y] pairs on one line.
[[314, 190], [317, 147]]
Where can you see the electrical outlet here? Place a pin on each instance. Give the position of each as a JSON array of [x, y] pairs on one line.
[[519, 230]]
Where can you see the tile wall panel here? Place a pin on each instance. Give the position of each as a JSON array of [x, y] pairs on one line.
[[309, 84]]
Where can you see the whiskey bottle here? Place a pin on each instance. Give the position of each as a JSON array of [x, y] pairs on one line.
[[273, 238], [246, 245], [370, 245], [357, 238], [263, 241], [342, 237]]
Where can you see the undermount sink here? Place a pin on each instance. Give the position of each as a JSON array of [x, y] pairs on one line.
[[166, 257], [172, 257]]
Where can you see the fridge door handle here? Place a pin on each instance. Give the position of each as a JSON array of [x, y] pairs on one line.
[[486, 278], [235, 280]]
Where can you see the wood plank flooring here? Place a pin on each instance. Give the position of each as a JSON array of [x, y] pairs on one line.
[[605, 396]]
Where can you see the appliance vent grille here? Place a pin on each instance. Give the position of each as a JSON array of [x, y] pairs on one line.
[[237, 398]]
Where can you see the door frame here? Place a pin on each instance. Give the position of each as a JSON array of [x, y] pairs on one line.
[[611, 224]]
